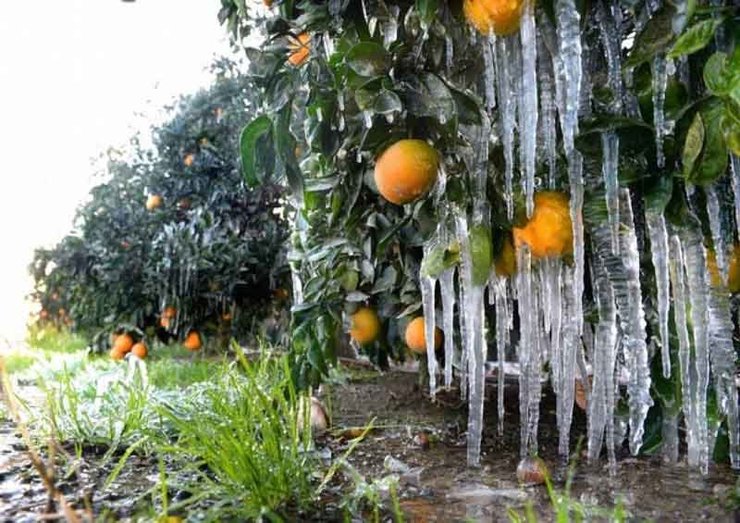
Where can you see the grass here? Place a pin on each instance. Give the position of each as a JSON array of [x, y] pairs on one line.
[[228, 434], [239, 439]]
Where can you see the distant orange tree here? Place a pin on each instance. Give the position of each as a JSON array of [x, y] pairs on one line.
[[173, 228]]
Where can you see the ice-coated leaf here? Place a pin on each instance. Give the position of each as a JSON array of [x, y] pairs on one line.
[[654, 38], [695, 38], [693, 144], [368, 59]]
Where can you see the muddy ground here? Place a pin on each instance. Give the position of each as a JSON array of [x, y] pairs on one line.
[[424, 444]]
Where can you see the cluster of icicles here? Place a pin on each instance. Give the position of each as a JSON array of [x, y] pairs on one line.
[[541, 67]]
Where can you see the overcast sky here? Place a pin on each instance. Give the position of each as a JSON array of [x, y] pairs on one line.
[[73, 74]]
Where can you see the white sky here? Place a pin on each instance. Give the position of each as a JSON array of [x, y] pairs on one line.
[[72, 75]]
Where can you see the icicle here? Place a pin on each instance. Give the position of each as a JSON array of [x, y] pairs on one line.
[[689, 391], [601, 402], [297, 285], [695, 266], [569, 42], [501, 300], [463, 323], [489, 74], [507, 107], [565, 354], [610, 170], [547, 111], [447, 291], [722, 357], [390, 26], [528, 353], [428, 287], [659, 251], [624, 275], [528, 104], [714, 212], [568, 65], [474, 343], [611, 42], [660, 80], [449, 52]]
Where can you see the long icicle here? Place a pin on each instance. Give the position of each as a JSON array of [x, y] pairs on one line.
[[528, 104], [659, 251], [568, 67]]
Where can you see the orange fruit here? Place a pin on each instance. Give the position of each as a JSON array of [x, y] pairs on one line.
[[124, 343], [505, 262], [153, 202], [140, 350], [416, 339], [713, 269], [299, 49], [498, 16], [406, 171], [188, 160], [226, 316], [117, 354], [192, 341], [733, 278], [733, 270], [365, 326], [549, 232], [169, 312]]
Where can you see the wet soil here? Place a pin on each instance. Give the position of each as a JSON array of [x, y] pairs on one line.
[[424, 444], [440, 487]]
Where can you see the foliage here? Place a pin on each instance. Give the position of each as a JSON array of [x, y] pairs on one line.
[[381, 71], [213, 249]]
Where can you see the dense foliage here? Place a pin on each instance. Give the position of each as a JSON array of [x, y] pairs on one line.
[[379, 71], [173, 225]]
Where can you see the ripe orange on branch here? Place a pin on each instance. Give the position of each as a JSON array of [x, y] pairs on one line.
[[406, 171], [498, 16], [416, 337], [365, 326], [299, 49], [549, 232], [154, 201]]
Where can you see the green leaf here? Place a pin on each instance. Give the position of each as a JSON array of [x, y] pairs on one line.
[[693, 145], [695, 37], [481, 253], [654, 38], [717, 76], [387, 102], [427, 10], [441, 257], [250, 135], [427, 95], [714, 156], [658, 193], [368, 59]]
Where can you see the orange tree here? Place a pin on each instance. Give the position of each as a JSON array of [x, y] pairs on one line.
[[173, 228], [345, 80]]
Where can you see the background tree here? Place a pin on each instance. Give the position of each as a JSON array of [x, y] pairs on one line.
[[174, 226]]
